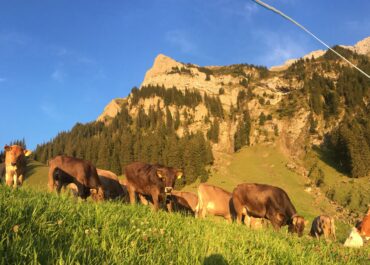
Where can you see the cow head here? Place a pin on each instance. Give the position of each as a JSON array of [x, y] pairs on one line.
[[354, 239], [297, 225], [13, 155], [168, 175], [97, 194]]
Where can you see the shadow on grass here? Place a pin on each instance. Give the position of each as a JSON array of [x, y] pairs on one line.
[[328, 157], [215, 259]]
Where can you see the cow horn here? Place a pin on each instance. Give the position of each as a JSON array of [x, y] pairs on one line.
[[179, 174], [159, 173]]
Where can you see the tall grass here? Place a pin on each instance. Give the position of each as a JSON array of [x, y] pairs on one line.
[[41, 228]]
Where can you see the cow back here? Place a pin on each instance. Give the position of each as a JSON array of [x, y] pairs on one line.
[[110, 183], [216, 200]]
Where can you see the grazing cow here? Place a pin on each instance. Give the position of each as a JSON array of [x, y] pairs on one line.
[[151, 181], [15, 164], [355, 238], [186, 201], [215, 201], [323, 225], [64, 170], [265, 201], [111, 185]]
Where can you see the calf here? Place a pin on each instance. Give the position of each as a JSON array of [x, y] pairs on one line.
[[184, 201], [323, 225], [15, 164], [64, 170], [265, 201], [215, 201], [151, 181]]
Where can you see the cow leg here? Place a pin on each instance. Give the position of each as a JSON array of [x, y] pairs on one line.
[[15, 180], [239, 208], [131, 193], [8, 179], [143, 200], [155, 197], [247, 221], [59, 186], [51, 179], [169, 204], [229, 219], [20, 179]]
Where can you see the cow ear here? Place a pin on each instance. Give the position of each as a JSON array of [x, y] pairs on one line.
[[7, 148], [179, 174], [306, 222], [27, 152], [159, 173]]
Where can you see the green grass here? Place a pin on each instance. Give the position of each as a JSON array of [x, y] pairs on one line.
[[63, 230], [37, 175], [266, 164], [37, 227], [350, 192]]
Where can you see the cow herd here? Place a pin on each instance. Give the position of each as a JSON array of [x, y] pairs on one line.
[[256, 205]]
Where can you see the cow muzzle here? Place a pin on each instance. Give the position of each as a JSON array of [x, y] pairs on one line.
[[168, 190]]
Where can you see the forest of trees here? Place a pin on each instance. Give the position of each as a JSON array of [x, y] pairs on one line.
[[350, 141], [149, 137]]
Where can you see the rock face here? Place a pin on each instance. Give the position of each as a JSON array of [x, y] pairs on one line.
[[361, 47], [266, 95], [314, 54], [111, 110]]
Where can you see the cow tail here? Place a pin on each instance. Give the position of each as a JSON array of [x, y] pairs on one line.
[[332, 225], [199, 206]]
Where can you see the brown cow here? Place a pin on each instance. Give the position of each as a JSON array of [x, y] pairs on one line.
[[364, 226], [323, 225], [151, 181], [265, 201], [215, 201], [15, 164], [186, 201], [64, 170], [111, 185]]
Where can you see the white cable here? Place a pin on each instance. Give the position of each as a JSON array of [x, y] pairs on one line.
[[309, 32]]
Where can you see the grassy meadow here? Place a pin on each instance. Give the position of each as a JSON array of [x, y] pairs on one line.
[[41, 228]]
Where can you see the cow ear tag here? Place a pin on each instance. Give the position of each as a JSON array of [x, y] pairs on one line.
[[179, 175], [27, 152], [294, 220]]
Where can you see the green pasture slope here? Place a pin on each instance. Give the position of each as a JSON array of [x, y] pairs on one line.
[[41, 228], [37, 227]]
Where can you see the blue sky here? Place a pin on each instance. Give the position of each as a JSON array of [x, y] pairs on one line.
[[61, 62]]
